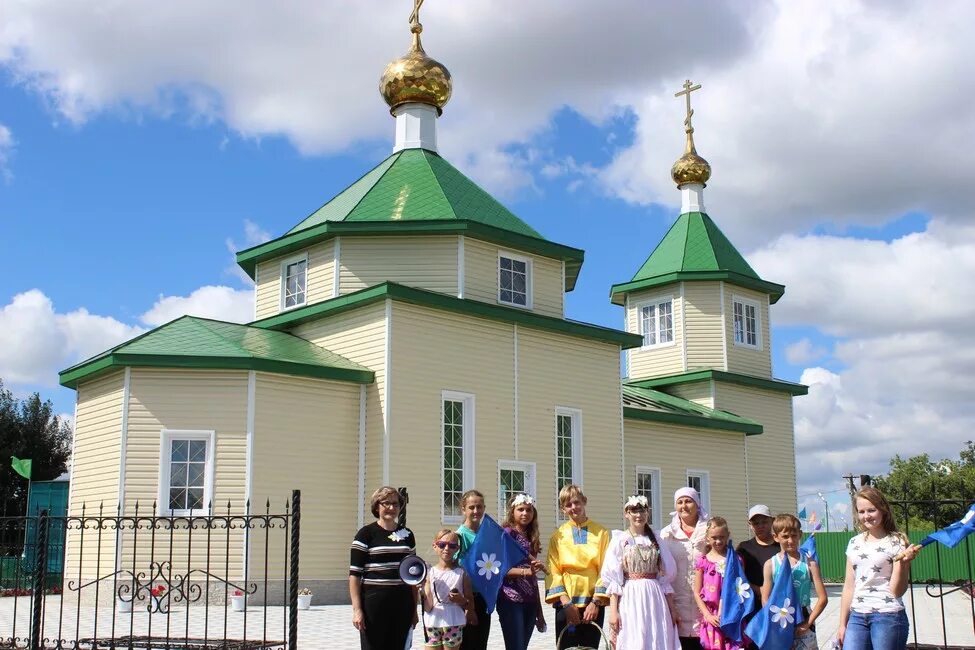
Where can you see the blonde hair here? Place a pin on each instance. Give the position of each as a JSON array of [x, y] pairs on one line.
[[382, 494], [443, 532], [715, 522], [570, 492], [786, 522], [467, 495]]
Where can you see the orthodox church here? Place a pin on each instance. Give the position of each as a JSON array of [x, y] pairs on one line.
[[412, 332]]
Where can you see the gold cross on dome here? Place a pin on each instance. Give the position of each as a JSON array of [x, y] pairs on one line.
[[415, 16], [688, 89]]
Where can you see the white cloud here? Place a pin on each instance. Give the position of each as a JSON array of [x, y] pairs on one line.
[[253, 235], [7, 145], [37, 341], [217, 302], [906, 353], [803, 351]]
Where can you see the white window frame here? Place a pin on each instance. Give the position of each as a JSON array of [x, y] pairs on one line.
[[518, 466], [529, 279], [467, 453], [285, 263], [736, 300], [656, 519], [657, 301], [166, 438], [705, 491], [576, 418]]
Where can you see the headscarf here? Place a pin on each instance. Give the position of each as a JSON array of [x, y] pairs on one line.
[[702, 514]]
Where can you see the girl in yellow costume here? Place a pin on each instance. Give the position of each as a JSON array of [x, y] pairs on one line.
[[575, 559]]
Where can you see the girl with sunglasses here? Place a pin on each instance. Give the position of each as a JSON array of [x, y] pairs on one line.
[[519, 607], [447, 595]]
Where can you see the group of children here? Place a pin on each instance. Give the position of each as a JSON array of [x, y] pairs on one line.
[[634, 575]]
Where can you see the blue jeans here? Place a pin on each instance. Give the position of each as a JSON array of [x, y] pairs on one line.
[[880, 631], [517, 623]]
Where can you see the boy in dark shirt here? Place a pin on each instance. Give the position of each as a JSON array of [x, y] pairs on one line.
[[755, 552]]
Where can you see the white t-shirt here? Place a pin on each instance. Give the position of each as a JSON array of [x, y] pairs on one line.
[[873, 564], [444, 612]]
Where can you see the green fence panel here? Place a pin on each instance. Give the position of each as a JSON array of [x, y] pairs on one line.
[[956, 563]]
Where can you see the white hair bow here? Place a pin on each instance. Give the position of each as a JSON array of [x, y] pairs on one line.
[[637, 502], [523, 499]]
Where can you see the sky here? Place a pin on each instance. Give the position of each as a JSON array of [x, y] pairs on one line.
[[142, 143]]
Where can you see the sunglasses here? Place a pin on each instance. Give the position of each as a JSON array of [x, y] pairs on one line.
[[450, 545]]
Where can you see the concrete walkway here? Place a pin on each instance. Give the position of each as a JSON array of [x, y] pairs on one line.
[[331, 626]]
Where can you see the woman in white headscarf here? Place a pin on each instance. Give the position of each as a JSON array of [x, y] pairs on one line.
[[685, 537]]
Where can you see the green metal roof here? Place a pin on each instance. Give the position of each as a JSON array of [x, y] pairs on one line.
[[641, 403], [695, 249], [412, 192], [435, 300], [191, 342], [777, 385]]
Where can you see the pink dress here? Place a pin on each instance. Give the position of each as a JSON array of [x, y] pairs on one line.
[[712, 577]]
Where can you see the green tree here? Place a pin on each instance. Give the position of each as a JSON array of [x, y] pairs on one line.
[[921, 486], [29, 429]]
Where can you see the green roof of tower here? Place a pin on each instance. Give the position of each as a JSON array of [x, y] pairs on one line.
[[695, 249], [415, 191], [190, 342]]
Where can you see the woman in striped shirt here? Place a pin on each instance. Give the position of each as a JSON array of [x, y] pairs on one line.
[[383, 606]]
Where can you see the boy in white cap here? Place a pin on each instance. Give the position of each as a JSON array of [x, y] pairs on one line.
[[755, 552]]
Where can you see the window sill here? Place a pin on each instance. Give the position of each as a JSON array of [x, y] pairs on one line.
[[746, 346], [657, 346], [453, 520], [527, 307]]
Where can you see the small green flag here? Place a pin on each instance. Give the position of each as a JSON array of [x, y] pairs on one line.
[[22, 467]]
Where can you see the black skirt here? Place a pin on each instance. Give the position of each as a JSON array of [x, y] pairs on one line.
[[388, 613]]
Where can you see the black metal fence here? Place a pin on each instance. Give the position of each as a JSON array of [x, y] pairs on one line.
[[227, 579], [937, 570]]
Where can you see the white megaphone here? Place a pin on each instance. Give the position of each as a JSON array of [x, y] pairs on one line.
[[412, 570]]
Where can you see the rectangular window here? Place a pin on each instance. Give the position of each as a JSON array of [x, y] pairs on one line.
[[568, 450], [648, 485], [514, 477], [293, 282], [514, 280], [457, 452], [186, 471], [657, 322], [700, 480], [747, 322]]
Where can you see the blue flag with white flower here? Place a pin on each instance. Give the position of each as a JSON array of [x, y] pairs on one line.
[[492, 553], [773, 627], [953, 534], [808, 549], [737, 599]]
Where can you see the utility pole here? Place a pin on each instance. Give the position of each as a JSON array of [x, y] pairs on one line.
[[865, 481]]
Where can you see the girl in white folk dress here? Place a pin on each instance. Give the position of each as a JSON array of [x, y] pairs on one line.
[[638, 571]]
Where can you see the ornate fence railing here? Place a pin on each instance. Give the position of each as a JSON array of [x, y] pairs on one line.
[[223, 579]]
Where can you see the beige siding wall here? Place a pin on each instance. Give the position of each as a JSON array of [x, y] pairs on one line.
[[321, 274], [746, 360], [95, 468], [771, 455], [697, 392], [481, 277], [705, 337], [424, 262], [360, 335], [675, 449], [655, 361], [478, 357], [200, 400], [306, 437]]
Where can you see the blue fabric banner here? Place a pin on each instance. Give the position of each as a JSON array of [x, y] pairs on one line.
[[808, 549], [737, 598], [953, 534], [773, 627], [492, 553]]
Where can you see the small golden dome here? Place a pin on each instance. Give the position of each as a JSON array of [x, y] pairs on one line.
[[416, 77], [690, 168]]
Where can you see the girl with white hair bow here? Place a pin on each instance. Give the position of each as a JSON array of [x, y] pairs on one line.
[[685, 538]]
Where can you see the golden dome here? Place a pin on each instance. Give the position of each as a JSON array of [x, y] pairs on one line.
[[690, 168], [416, 77]]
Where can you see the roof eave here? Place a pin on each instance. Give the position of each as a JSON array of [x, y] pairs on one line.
[[249, 258], [700, 421], [776, 385], [423, 297], [618, 292]]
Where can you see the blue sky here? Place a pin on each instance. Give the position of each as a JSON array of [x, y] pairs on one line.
[[135, 155]]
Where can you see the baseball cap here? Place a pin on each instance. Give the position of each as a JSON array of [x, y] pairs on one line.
[[760, 509]]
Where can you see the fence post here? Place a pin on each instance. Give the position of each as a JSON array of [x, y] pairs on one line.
[[40, 577], [293, 583]]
